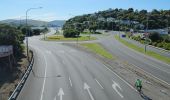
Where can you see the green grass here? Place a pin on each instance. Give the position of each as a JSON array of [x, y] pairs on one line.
[[149, 53], [62, 38], [98, 49]]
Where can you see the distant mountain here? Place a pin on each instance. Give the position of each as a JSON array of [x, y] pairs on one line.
[[22, 22], [54, 23], [59, 23]]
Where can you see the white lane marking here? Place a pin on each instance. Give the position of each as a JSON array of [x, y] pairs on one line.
[[115, 86], [120, 78], [70, 82], [61, 93], [86, 87], [99, 83], [45, 75]]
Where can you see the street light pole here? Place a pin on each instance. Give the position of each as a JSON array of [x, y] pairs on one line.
[[147, 32], [168, 22], [27, 35], [119, 28]]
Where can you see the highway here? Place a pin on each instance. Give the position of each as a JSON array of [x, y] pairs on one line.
[[154, 67], [64, 73]]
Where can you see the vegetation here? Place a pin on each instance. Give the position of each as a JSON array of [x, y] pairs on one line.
[[98, 49], [155, 39], [141, 50], [31, 31], [10, 35], [62, 38], [71, 33], [121, 19]]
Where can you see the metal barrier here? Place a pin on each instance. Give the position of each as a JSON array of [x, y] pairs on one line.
[[22, 82]]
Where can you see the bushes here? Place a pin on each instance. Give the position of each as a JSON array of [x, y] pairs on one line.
[[164, 45], [155, 37], [71, 33], [11, 36], [136, 38]]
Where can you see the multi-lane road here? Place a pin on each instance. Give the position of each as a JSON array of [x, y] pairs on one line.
[[152, 66], [65, 73]]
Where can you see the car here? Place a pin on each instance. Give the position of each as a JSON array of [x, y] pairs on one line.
[[123, 35]]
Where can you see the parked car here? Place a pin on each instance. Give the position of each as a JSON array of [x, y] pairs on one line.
[[123, 35]]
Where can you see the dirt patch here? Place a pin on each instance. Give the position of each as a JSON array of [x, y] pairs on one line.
[[9, 78], [152, 87]]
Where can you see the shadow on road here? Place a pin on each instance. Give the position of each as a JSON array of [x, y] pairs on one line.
[[145, 97]]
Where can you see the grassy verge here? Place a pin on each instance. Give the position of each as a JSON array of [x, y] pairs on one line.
[[98, 49], [62, 38], [149, 53]]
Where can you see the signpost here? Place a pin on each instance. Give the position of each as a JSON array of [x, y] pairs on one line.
[[6, 51]]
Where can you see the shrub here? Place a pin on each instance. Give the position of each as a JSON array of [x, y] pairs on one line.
[[154, 43], [166, 46], [160, 45], [154, 36], [71, 33]]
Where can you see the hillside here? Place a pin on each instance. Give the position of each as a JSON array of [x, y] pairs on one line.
[[34, 22], [56, 23], [124, 19]]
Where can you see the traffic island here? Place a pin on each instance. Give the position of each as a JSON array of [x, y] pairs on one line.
[[62, 38]]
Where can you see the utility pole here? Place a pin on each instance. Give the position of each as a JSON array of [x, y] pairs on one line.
[[119, 28]]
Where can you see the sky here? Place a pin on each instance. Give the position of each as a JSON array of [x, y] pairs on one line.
[[65, 9]]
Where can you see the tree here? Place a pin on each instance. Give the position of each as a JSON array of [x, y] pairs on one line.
[[11, 36], [93, 27], [157, 18], [71, 33], [154, 36], [36, 31], [24, 31]]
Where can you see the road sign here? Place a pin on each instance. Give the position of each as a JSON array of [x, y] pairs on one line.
[[6, 50]]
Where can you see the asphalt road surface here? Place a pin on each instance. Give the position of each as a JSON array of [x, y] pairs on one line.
[[64, 73], [156, 68]]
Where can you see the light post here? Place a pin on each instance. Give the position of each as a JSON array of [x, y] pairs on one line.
[[168, 22], [119, 28], [146, 35], [27, 27]]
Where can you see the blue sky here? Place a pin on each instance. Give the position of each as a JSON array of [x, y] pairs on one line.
[[64, 9]]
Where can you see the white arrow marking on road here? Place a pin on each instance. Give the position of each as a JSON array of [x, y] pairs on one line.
[[61, 93], [114, 85], [86, 87], [70, 82]]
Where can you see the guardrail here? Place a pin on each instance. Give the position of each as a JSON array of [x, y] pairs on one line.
[[20, 85]]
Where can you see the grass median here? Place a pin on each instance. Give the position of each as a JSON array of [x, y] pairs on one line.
[[141, 50], [62, 38], [98, 49]]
